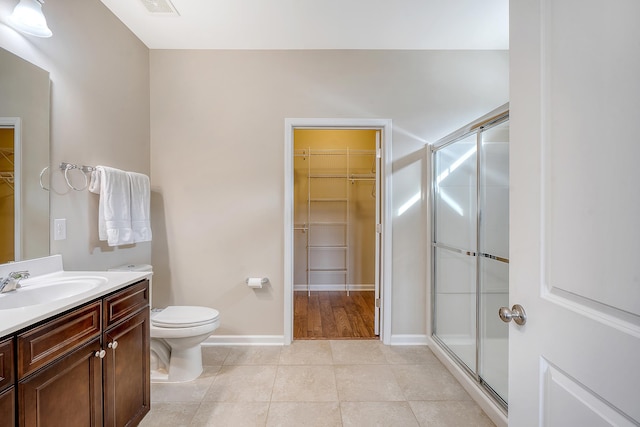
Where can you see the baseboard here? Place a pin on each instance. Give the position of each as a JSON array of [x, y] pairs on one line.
[[334, 288], [221, 340], [408, 339]]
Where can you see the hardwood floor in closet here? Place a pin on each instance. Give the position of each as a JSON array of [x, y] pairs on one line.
[[333, 315]]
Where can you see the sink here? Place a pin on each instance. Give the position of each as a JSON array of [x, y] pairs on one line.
[[42, 290]]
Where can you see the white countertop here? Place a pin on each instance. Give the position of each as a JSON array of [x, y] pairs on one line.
[[15, 319]]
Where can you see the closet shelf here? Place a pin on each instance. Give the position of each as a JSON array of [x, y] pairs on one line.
[[342, 199], [327, 270], [337, 176], [326, 247]]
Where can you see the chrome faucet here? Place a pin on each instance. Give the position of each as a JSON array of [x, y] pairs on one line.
[[12, 281]]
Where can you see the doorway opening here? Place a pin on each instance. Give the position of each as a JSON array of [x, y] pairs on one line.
[[335, 215], [337, 257], [10, 248]]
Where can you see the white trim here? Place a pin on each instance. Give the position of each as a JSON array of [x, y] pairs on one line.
[[493, 411], [386, 172], [16, 124], [408, 339], [223, 340], [335, 287]]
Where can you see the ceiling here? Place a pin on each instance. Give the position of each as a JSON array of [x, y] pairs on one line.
[[319, 24]]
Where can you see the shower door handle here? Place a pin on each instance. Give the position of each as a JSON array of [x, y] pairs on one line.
[[517, 314]]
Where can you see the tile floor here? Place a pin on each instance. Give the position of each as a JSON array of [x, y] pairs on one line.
[[317, 383]]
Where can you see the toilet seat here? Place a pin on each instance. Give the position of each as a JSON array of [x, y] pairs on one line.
[[180, 316]]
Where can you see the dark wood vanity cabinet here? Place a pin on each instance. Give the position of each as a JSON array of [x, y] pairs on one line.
[[87, 367], [7, 380]]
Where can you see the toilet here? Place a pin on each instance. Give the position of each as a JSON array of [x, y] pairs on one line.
[[176, 335]]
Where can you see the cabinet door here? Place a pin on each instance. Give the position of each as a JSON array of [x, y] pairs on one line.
[[8, 408], [66, 393], [126, 372], [6, 364]]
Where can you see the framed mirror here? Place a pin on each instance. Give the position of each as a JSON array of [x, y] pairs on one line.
[[24, 154]]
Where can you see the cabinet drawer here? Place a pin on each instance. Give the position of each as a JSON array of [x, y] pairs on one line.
[[6, 363], [56, 337], [123, 304]]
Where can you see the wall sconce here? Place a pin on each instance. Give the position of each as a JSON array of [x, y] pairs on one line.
[[27, 17]]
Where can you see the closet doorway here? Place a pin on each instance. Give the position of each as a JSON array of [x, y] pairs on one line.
[[336, 209]]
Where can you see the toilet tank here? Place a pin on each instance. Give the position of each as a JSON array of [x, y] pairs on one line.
[[132, 267]]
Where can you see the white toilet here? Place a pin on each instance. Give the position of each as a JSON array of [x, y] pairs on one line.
[[176, 335]]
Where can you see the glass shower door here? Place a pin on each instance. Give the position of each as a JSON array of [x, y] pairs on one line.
[[493, 251], [455, 195], [471, 249]]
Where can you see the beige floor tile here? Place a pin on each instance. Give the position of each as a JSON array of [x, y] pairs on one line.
[[226, 414], [367, 383], [214, 355], [409, 355], [252, 383], [307, 352], [392, 414], [250, 355], [305, 383], [346, 352], [450, 414], [428, 382], [304, 414], [191, 391], [170, 415]]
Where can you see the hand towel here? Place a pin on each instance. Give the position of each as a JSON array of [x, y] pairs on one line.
[[114, 207], [140, 201]]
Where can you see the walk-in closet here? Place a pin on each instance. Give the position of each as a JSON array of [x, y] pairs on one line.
[[335, 201], [7, 195]]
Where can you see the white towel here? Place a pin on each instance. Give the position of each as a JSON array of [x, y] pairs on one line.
[[140, 201], [114, 208]]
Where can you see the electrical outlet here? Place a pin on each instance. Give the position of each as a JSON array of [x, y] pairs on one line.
[[60, 229]]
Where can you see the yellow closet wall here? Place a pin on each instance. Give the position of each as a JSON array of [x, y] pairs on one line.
[[362, 202]]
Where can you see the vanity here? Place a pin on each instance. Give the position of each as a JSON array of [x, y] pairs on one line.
[[80, 354]]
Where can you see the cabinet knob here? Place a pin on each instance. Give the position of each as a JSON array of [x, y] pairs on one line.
[[113, 345], [100, 354]]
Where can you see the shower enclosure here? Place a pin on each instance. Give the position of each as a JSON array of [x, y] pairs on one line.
[[470, 248]]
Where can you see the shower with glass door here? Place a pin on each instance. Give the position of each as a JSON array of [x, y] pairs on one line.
[[470, 249]]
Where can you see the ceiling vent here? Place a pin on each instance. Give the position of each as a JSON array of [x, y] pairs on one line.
[[160, 7]]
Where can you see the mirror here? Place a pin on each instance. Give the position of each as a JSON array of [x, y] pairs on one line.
[[24, 153]]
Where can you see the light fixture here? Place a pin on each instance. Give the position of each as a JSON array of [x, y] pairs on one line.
[[27, 17]]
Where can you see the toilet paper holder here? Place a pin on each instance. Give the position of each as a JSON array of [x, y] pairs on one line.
[[256, 282]]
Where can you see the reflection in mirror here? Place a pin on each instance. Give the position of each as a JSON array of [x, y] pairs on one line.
[[24, 152]]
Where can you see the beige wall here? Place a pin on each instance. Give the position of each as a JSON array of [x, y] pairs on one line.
[[99, 114], [216, 124], [217, 162]]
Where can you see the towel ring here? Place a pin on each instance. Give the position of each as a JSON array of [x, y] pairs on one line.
[[67, 167], [46, 168]]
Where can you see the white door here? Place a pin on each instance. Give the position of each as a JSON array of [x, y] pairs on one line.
[[575, 212]]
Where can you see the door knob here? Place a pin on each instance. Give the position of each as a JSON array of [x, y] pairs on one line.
[[100, 354], [113, 345], [517, 314]]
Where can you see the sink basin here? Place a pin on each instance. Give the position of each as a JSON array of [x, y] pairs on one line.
[[39, 291]]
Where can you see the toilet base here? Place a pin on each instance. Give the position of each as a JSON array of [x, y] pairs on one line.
[[185, 364]]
